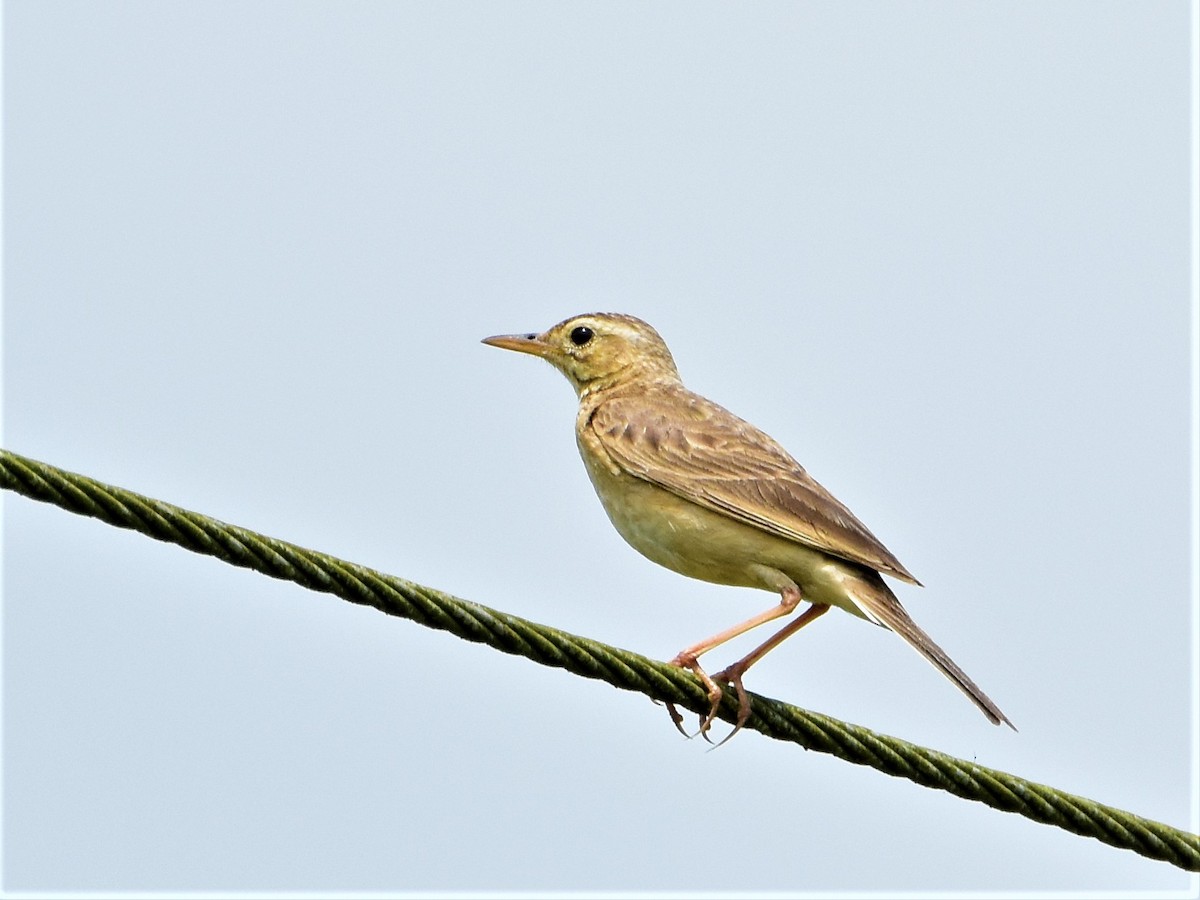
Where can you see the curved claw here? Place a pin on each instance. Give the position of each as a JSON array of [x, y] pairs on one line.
[[706, 721], [733, 676], [714, 691], [676, 718]]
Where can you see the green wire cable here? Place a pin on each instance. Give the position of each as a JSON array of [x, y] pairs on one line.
[[592, 659]]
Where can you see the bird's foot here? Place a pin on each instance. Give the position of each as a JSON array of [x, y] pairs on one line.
[[733, 675], [688, 661], [676, 718]]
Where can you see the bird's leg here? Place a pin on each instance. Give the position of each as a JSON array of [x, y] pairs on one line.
[[689, 658], [733, 674]]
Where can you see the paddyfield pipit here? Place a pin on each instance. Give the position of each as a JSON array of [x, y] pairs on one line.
[[696, 489]]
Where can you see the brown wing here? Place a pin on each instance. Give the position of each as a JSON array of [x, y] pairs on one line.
[[703, 453]]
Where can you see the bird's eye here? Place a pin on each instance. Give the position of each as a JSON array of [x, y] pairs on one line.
[[580, 336]]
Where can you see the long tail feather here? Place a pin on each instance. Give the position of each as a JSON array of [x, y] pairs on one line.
[[881, 606]]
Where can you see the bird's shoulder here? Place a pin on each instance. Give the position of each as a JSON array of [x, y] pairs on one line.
[[669, 423], [697, 449]]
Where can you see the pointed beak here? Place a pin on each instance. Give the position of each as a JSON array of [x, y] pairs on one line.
[[522, 343]]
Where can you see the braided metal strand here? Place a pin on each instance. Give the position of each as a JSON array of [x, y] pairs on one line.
[[592, 659]]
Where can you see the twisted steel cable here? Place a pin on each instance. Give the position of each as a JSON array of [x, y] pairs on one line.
[[592, 659]]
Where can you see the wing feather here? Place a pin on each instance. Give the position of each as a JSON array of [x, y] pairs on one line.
[[700, 451]]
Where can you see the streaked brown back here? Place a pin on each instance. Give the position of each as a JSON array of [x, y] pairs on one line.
[[700, 451]]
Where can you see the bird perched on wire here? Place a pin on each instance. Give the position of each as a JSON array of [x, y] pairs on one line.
[[696, 489]]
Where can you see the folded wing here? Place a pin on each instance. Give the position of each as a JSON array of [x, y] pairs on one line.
[[703, 453]]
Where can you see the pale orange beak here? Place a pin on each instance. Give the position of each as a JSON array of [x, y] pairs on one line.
[[522, 343]]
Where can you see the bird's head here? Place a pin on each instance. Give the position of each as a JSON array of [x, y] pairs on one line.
[[597, 350]]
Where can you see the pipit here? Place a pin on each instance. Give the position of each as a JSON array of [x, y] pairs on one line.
[[696, 489]]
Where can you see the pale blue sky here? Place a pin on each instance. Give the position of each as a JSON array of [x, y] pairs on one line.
[[940, 251]]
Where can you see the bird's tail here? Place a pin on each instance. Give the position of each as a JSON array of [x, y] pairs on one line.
[[881, 606]]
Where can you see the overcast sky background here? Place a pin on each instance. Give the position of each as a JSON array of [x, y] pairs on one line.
[[940, 251]]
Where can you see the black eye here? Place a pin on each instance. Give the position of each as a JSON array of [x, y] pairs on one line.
[[580, 336]]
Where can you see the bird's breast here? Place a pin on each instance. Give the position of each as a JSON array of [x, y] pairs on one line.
[[686, 537]]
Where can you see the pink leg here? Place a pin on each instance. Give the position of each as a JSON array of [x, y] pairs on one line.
[[689, 658], [733, 674]]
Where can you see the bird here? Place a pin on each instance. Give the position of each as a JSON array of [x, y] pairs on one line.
[[696, 489]]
